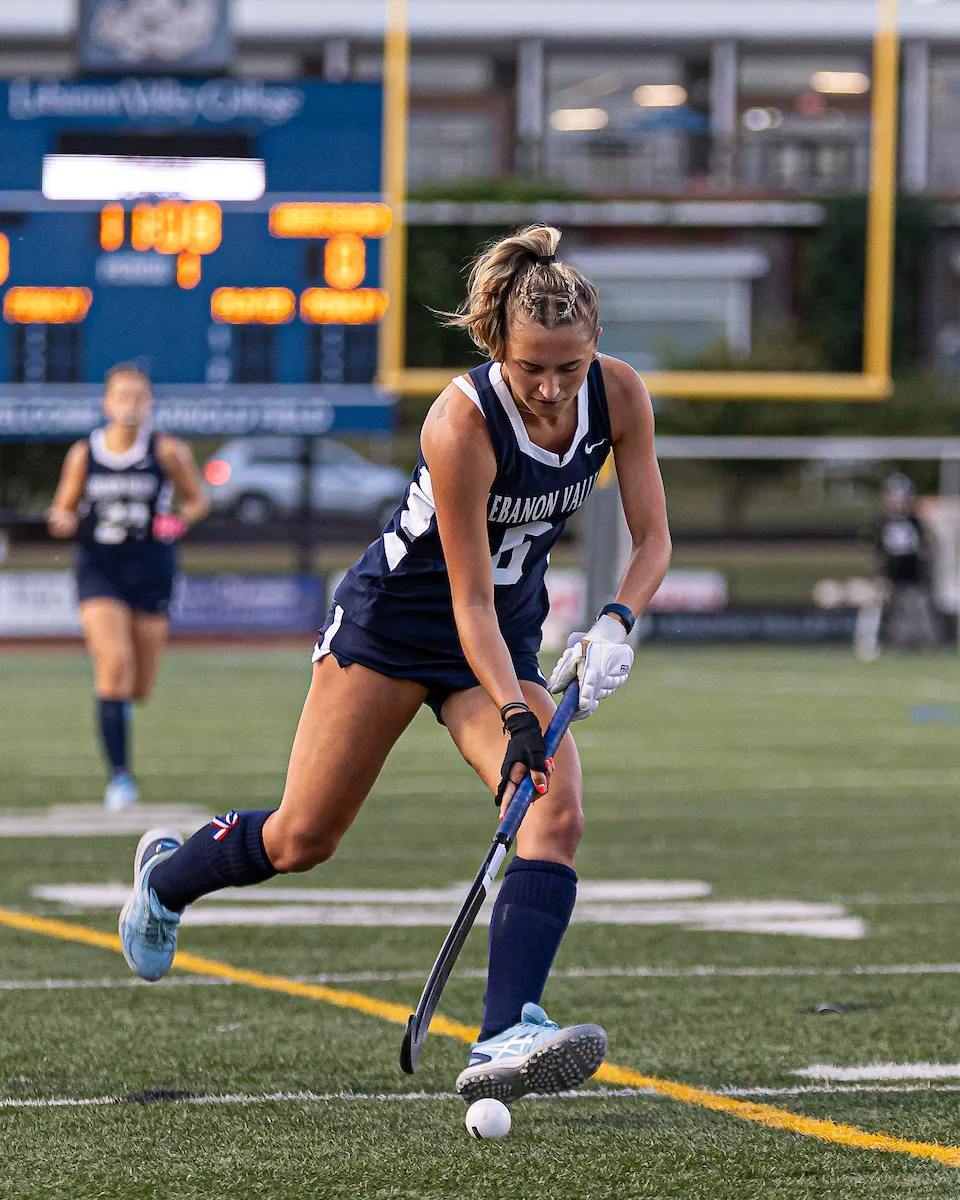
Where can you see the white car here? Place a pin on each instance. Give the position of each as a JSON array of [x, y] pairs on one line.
[[258, 479]]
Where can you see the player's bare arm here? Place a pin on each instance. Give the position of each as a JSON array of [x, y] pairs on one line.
[[641, 486], [457, 450], [62, 519], [178, 462], [601, 657]]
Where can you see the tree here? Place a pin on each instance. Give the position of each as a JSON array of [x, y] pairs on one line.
[[833, 274], [781, 350], [28, 473]]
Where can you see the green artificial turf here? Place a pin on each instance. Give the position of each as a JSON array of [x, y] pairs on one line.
[[767, 775]]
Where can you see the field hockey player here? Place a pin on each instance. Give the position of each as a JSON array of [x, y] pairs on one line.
[[115, 496], [446, 608]]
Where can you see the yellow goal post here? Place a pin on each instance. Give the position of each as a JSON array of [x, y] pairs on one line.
[[872, 383]]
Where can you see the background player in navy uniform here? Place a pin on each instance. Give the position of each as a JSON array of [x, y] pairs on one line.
[[446, 609], [115, 495]]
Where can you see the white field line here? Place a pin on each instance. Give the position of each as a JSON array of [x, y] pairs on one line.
[[307, 1097], [87, 820], [880, 1071], [612, 902], [114, 895], [726, 918], [893, 780], [872, 898], [921, 690], [700, 972], [408, 1097], [839, 1089]]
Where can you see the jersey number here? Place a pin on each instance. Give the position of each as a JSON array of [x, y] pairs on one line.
[[118, 518], [508, 560]]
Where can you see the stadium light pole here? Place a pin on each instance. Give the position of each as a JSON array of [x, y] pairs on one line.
[[873, 383], [396, 105]]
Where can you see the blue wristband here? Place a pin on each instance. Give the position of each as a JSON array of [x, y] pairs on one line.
[[621, 611]]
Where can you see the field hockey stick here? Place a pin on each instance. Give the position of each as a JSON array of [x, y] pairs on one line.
[[419, 1023]]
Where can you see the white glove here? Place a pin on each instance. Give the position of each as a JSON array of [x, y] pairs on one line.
[[600, 659]]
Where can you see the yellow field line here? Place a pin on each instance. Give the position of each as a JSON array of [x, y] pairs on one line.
[[759, 1114], [195, 963]]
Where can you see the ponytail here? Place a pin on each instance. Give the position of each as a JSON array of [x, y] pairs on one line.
[[519, 276]]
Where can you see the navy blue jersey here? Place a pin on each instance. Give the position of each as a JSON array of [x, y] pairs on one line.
[[122, 495], [400, 588]]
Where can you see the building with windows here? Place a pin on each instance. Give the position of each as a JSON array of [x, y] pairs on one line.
[[696, 141]]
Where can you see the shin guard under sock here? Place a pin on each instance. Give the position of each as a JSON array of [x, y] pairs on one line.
[[113, 716], [226, 853], [529, 920]]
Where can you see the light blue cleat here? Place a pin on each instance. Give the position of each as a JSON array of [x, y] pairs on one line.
[[534, 1056], [148, 930], [121, 792]]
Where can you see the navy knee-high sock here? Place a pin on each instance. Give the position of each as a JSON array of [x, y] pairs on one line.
[[226, 853], [529, 920], [113, 716]]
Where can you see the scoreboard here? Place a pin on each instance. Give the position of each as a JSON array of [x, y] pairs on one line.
[[224, 235]]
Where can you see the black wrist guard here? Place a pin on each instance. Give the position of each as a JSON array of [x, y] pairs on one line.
[[525, 746]]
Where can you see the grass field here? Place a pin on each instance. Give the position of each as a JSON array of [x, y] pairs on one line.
[[803, 816]]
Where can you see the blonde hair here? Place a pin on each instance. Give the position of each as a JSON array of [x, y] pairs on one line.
[[509, 279]]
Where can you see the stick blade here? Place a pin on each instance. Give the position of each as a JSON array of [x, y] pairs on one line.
[[410, 1048]]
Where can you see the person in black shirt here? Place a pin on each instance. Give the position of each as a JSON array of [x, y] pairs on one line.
[[903, 612]]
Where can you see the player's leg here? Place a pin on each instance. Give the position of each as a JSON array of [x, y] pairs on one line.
[[519, 1049], [149, 639], [148, 635], [866, 632], [350, 721], [931, 630], [108, 630], [919, 616], [540, 885]]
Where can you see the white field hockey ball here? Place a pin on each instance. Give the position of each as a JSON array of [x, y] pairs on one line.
[[488, 1119]]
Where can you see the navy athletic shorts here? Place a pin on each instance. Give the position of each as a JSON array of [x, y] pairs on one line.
[[142, 579], [441, 676]]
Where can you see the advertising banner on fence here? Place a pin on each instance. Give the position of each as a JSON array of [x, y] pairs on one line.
[[810, 625], [247, 604], [57, 413], [682, 591], [38, 604], [44, 604], [687, 590]]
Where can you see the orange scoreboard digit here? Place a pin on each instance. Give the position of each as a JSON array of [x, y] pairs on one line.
[[192, 230]]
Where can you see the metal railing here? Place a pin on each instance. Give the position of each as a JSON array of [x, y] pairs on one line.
[[804, 163], [798, 164], [641, 163], [620, 162]]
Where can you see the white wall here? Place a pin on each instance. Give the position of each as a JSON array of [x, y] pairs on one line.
[[498, 20]]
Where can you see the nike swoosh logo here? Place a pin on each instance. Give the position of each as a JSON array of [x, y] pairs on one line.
[[588, 449]]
